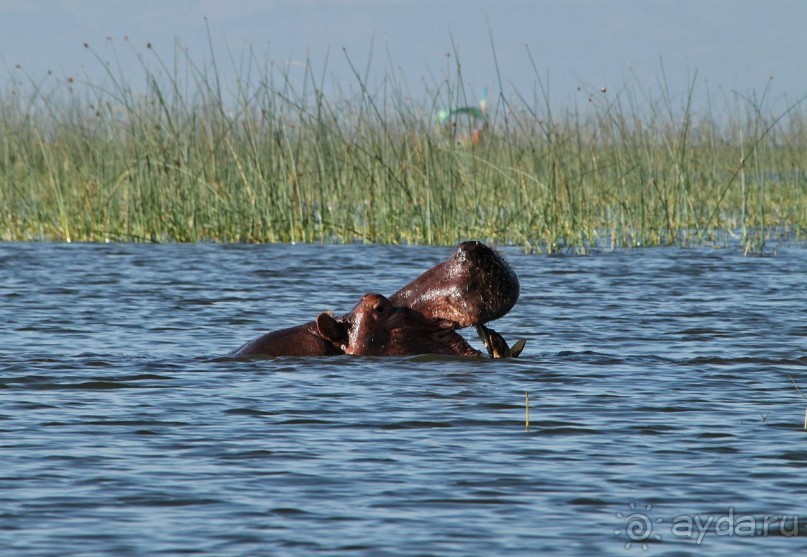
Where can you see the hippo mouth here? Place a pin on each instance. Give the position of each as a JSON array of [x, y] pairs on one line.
[[473, 286], [375, 327]]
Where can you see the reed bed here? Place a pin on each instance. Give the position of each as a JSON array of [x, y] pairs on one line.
[[182, 155]]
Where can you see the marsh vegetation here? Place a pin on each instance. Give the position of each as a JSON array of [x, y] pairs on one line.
[[179, 153]]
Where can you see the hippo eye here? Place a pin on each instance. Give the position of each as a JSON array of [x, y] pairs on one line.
[[380, 309]]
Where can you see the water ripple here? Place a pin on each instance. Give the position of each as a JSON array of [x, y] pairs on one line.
[[660, 378]]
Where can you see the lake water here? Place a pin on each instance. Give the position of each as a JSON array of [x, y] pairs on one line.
[[663, 418]]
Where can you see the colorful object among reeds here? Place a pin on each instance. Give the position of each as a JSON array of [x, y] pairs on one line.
[[466, 123]]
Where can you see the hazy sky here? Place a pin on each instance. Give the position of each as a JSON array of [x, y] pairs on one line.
[[734, 45]]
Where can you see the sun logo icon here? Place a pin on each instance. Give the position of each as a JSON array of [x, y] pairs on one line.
[[638, 526]]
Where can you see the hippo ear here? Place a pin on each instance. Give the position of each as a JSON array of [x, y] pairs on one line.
[[331, 329]]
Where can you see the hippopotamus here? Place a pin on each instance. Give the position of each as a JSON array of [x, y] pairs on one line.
[[375, 327], [473, 286], [303, 340]]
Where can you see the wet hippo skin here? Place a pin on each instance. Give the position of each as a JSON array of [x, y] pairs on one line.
[[473, 286], [377, 328], [302, 340]]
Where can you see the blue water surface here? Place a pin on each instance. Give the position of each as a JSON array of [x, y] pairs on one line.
[[664, 418]]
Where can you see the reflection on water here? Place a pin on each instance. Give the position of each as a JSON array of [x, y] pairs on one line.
[[659, 383]]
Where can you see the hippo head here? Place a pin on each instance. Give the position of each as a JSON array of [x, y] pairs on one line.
[[474, 285], [375, 327]]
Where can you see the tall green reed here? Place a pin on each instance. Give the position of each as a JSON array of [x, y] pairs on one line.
[[185, 155]]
